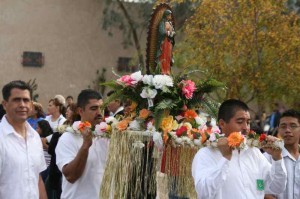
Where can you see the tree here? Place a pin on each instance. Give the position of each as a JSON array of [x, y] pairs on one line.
[[250, 45]]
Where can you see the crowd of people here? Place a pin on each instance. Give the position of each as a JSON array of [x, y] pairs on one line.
[[37, 160]]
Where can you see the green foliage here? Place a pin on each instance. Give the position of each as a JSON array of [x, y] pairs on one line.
[[33, 85], [251, 46]]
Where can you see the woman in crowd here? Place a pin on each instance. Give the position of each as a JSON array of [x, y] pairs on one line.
[[53, 184], [36, 114], [56, 110]]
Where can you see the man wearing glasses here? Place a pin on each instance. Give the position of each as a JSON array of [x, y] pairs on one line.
[[289, 131]]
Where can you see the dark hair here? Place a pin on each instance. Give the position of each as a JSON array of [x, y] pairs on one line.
[[38, 107], [62, 108], [291, 113], [229, 107], [75, 116], [15, 84], [69, 97], [85, 95], [2, 111], [45, 127]]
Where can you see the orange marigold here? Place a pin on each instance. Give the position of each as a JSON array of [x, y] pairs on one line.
[[235, 139], [144, 113], [203, 138], [190, 114], [84, 125], [122, 125]]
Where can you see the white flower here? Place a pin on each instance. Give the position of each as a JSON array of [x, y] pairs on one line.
[[159, 81], [255, 143], [148, 93], [70, 129], [250, 141], [178, 140], [100, 129], [61, 128], [111, 120], [200, 121], [148, 79], [134, 125], [137, 76], [75, 126], [150, 127], [197, 142], [212, 137]]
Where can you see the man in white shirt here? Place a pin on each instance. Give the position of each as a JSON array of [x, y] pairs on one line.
[[225, 173], [81, 158], [115, 107], [289, 131], [21, 152]]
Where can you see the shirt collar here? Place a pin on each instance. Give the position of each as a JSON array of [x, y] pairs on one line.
[[121, 108], [286, 153], [9, 129]]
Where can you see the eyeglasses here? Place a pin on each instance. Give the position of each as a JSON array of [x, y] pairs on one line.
[[292, 126]]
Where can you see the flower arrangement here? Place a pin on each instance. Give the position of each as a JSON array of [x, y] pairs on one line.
[[165, 101], [103, 129], [238, 141]]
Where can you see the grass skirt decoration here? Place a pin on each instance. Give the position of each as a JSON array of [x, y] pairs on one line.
[[177, 164], [131, 168]]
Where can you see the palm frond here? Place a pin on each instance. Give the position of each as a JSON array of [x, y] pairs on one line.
[[210, 106]]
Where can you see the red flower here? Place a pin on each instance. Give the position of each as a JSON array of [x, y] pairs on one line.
[[262, 137], [181, 131]]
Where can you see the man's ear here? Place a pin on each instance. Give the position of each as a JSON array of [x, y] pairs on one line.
[[4, 103], [80, 110], [222, 123]]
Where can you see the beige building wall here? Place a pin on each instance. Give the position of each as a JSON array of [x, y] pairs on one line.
[[68, 33]]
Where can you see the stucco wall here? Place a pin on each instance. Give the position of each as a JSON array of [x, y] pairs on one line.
[[69, 34]]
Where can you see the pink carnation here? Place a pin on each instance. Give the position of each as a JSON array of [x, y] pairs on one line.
[[188, 88], [100, 128], [127, 80]]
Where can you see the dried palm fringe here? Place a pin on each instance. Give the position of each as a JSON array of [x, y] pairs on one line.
[[124, 176], [178, 168]]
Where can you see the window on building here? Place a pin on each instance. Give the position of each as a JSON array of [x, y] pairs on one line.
[[125, 65]]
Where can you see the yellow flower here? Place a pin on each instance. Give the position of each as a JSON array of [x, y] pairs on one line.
[[188, 125], [167, 124], [175, 125]]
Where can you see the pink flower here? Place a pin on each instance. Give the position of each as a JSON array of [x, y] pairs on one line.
[[127, 80], [100, 128], [188, 88]]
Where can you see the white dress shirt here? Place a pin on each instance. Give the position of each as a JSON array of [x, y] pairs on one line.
[[292, 166], [21, 161], [88, 185], [216, 177]]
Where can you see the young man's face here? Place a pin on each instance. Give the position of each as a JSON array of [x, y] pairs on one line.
[[18, 106], [240, 122], [289, 130], [113, 106], [91, 112], [69, 101]]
